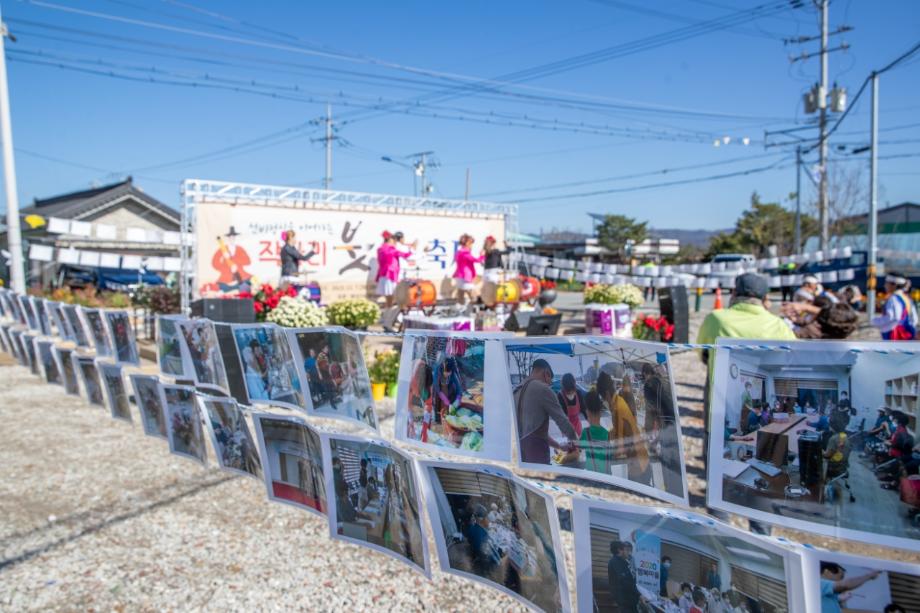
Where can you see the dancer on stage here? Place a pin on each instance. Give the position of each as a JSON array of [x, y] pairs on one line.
[[493, 260], [388, 256], [291, 257], [465, 272]]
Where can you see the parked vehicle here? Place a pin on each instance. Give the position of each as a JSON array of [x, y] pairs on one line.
[[733, 263], [106, 279]]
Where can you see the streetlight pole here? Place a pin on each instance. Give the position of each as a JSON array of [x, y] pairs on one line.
[[822, 123], [873, 203], [13, 233], [798, 200], [327, 180]]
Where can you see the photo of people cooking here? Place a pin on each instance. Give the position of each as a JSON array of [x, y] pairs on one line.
[[445, 399], [268, 366], [824, 435], [606, 411], [377, 498], [648, 563], [495, 529]]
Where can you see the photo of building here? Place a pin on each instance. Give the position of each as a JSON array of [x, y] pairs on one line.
[[292, 461]]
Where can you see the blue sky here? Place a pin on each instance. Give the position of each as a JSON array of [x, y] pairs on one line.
[[733, 82]]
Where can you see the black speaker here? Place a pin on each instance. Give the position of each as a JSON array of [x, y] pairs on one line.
[[518, 321], [811, 459], [674, 307], [544, 325], [226, 310]]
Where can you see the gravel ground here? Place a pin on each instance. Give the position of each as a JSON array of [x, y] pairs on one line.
[[96, 516]]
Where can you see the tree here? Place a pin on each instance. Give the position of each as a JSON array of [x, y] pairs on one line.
[[615, 230], [764, 224]]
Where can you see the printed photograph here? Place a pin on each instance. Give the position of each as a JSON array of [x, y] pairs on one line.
[[25, 303], [169, 347], [5, 341], [203, 352], [233, 444], [41, 315], [230, 356], [292, 462], [23, 352], [491, 527], [821, 437], [841, 583], [44, 350], [268, 366], [603, 411], [92, 382], [122, 335], [16, 308], [376, 499], [183, 423], [27, 340], [115, 392], [337, 381], [95, 323], [638, 559], [75, 327], [61, 327], [442, 389], [149, 400], [68, 373]]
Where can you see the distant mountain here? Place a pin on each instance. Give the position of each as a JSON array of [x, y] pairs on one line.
[[700, 238]]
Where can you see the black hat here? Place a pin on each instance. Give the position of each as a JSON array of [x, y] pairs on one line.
[[751, 285], [232, 232], [398, 235]]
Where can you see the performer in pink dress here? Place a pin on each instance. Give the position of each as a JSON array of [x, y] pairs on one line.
[[388, 256], [466, 269]]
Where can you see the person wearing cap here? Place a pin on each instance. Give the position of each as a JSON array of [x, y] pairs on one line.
[[807, 292], [388, 256], [835, 588], [746, 317], [898, 321], [536, 403]]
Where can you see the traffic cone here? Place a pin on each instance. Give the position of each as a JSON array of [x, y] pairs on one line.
[[718, 304]]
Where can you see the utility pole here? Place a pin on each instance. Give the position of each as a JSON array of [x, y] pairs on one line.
[[13, 234], [466, 192], [873, 203], [798, 200], [327, 181], [822, 126]]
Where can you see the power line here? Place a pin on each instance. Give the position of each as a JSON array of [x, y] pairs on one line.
[[621, 190]]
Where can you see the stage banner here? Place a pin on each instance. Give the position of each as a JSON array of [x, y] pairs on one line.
[[238, 244]]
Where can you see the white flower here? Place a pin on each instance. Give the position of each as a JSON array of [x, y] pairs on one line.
[[297, 313]]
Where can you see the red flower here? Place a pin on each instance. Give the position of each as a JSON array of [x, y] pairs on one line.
[[258, 306], [245, 295], [291, 291], [266, 288], [273, 301]]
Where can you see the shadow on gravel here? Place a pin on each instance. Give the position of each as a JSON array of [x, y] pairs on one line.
[[117, 519]]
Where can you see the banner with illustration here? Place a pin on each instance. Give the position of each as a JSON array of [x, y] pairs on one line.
[[241, 244]]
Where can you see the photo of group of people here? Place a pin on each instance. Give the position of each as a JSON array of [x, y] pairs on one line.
[[74, 323], [644, 559], [333, 368], [489, 526], [183, 423], [89, 374], [441, 401], [114, 386], [44, 351], [605, 411], [202, 353], [820, 438], [854, 584], [169, 347], [149, 400], [233, 444], [98, 331], [268, 366], [292, 462], [122, 335], [375, 498], [63, 358]]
